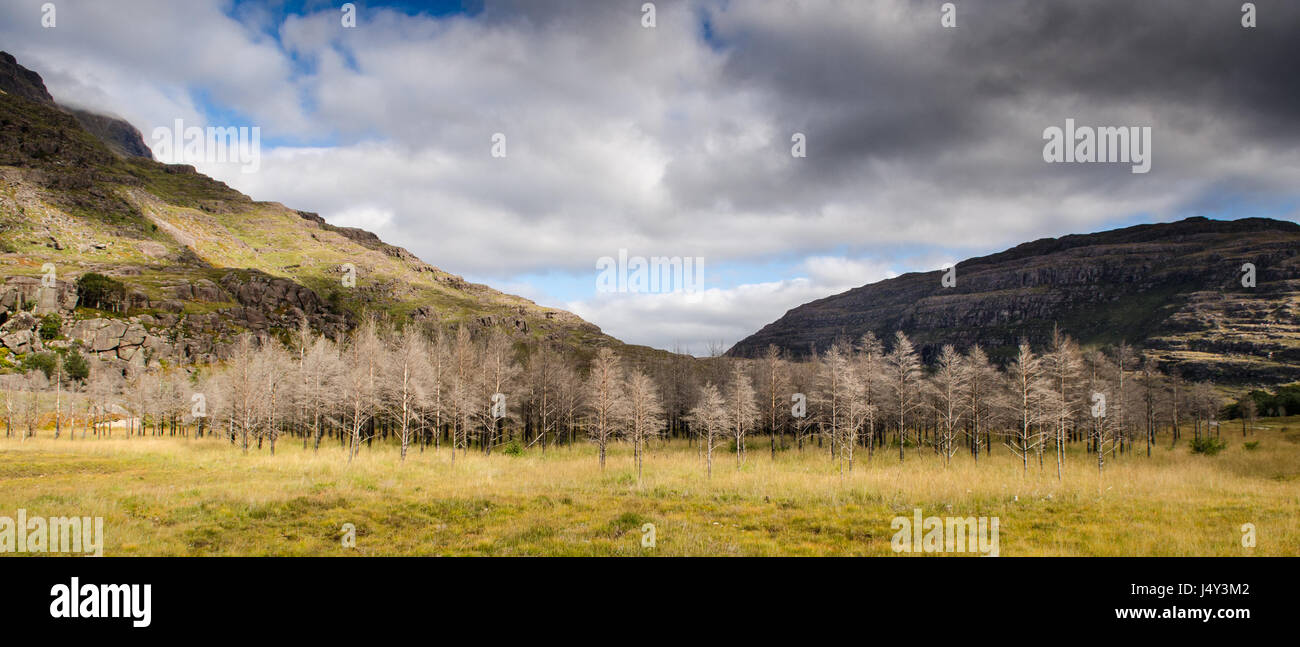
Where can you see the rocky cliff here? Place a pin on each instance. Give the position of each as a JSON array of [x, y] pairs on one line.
[[1174, 289]]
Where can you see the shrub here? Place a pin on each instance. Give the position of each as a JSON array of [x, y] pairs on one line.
[[1208, 446], [96, 290], [75, 366], [513, 448], [43, 361], [50, 325], [1251, 446]]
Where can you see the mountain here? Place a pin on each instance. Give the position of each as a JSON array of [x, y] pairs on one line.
[[191, 263], [1173, 289]]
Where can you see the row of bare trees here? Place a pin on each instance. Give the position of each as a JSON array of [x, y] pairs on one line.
[[1038, 405], [418, 386]]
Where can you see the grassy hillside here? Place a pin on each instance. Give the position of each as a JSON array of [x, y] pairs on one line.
[[67, 199]]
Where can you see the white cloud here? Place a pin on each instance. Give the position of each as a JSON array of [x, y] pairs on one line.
[[721, 316], [663, 142], [844, 273], [368, 218]]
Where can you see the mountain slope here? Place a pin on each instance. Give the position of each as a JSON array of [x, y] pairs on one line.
[[1174, 289], [198, 262]]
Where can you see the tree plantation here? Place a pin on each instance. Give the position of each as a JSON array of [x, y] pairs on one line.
[[425, 388]]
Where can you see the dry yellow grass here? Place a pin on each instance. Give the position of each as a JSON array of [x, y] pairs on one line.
[[175, 496]]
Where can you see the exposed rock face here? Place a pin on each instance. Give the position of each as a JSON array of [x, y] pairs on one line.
[[18, 80], [19, 321], [202, 291], [19, 291], [278, 302], [1175, 289], [22, 341], [139, 341], [121, 137], [104, 335], [264, 302]]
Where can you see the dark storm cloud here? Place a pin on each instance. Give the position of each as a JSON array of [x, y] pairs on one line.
[[870, 85]]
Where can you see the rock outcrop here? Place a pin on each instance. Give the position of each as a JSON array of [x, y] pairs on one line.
[[120, 136], [20, 292], [1174, 289], [20, 81], [269, 301]]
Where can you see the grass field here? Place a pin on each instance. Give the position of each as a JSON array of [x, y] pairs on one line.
[[176, 496]]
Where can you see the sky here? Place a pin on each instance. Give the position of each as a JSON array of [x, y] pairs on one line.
[[924, 144]]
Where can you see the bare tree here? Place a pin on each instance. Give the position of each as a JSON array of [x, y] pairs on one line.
[[844, 400], [271, 370], [605, 399], [570, 392], [803, 378], [644, 414], [323, 372], [776, 380], [242, 390], [10, 402], [1028, 389], [1123, 355], [58, 395], [143, 387], [1205, 409], [871, 353], [903, 369], [497, 373], [1062, 364], [461, 393], [832, 367], [980, 378], [106, 385], [172, 399], [30, 402], [435, 404], [405, 380], [742, 411], [1151, 385], [708, 419], [1106, 433], [360, 385], [949, 383], [854, 414], [541, 377]]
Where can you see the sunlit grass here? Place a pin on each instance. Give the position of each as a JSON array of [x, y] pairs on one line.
[[176, 496]]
